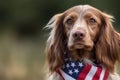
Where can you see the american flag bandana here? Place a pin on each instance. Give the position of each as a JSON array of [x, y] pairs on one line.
[[76, 70]]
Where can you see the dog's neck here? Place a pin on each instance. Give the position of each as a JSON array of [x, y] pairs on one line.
[[82, 55]]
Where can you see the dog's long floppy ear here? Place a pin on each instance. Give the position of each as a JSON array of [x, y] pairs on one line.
[[108, 45], [55, 47]]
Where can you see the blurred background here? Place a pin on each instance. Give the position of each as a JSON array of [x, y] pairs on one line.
[[22, 37]]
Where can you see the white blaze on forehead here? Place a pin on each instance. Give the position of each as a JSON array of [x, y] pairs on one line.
[[85, 7], [80, 24]]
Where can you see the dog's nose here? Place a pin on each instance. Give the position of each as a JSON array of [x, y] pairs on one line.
[[80, 34]]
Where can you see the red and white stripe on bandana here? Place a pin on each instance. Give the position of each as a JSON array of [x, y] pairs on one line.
[[73, 70]]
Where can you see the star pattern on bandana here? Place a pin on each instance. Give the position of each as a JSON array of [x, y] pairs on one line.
[[73, 68]]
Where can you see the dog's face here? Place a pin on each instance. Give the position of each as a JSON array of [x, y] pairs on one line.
[[82, 25], [80, 30]]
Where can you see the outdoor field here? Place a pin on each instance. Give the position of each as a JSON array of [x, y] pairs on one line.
[[23, 39]]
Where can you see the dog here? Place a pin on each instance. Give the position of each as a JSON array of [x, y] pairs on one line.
[[84, 35]]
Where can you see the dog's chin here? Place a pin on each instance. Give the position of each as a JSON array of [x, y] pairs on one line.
[[80, 47]]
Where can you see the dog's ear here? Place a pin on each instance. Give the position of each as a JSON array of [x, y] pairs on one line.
[[108, 44], [55, 47]]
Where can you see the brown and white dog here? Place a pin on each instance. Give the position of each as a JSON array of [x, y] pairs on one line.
[[84, 33]]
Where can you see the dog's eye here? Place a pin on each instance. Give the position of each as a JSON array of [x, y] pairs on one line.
[[92, 21], [69, 21]]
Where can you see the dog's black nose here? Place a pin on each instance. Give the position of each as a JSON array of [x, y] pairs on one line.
[[80, 34]]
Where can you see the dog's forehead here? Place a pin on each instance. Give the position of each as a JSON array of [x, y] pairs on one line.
[[80, 9]]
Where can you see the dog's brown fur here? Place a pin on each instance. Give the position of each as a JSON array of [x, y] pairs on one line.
[[101, 42]]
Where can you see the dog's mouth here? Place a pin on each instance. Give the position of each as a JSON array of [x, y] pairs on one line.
[[80, 45]]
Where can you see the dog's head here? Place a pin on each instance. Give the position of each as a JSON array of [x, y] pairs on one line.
[[79, 30]]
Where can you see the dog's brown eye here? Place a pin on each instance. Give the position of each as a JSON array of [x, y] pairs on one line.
[[92, 21], [70, 21]]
